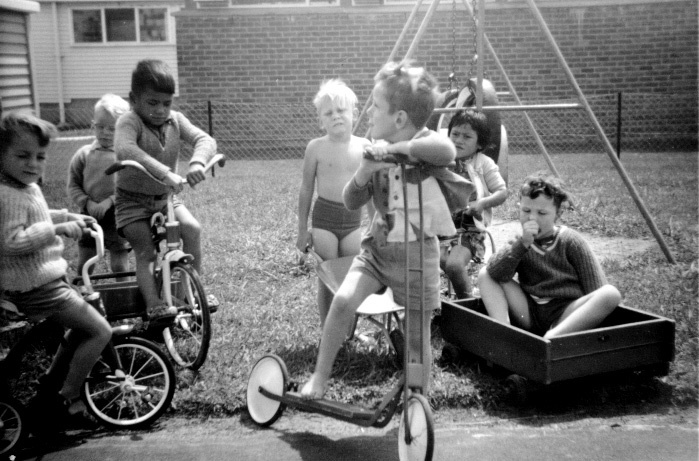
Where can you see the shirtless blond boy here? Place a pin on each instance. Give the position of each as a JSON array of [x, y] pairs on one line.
[[329, 163]]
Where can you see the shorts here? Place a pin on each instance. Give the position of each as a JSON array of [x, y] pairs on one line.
[[132, 206], [545, 315], [335, 218], [112, 240], [46, 300], [386, 264]]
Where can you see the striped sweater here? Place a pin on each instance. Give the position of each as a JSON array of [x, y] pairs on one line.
[[566, 269], [31, 254]]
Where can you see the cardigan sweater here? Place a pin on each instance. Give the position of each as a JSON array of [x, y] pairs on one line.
[[157, 149], [385, 186], [31, 254], [566, 269], [86, 178], [488, 173]]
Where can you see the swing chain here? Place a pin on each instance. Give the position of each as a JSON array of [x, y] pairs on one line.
[[453, 80], [474, 61]]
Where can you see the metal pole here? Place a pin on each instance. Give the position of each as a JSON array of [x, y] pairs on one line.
[[413, 45], [391, 56], [479, 51], [602, 136], [618, 125], [423, 27], [530, 124], [211, 120], [523, 107]]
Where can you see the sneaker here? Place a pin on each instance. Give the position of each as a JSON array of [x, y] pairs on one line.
[[213, 303]]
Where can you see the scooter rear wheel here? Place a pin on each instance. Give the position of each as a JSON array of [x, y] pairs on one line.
[[270, 373], [421, 428]]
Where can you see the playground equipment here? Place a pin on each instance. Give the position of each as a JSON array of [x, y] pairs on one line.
[[269, 389], [477, 12]]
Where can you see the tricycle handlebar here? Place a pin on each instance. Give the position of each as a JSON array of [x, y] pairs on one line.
[[219, 159], [96, 233]]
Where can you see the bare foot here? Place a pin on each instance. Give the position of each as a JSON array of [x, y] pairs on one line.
[[314, 389]]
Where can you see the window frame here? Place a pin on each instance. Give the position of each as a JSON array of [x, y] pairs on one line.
[[209, 4], [170, 40]]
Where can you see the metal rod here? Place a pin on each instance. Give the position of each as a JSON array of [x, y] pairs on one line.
[[530, 124], [416, 40], [602, 136], [209, 115], [391, 56], [406, 288], [421, 31], [479, 51], [515, 108], [618, 126]]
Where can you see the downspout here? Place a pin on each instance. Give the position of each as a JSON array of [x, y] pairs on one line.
[[59, 67]]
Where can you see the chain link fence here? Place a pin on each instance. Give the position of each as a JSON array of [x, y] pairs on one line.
[[649, 123]]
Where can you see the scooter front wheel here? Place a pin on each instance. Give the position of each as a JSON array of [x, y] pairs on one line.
[[269, 373], [420, 443]]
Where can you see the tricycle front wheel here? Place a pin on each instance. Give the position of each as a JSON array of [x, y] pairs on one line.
[[187, 339]]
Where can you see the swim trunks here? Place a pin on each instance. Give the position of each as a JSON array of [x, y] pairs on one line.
[[334, 217]]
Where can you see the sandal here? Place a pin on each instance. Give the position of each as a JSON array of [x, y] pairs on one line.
[[79, 420], [162, 313]]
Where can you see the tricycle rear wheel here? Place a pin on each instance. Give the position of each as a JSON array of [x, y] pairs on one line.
[[136, 395]]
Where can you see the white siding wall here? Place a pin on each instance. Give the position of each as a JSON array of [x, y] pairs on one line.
[[89, 71], [15, 72]]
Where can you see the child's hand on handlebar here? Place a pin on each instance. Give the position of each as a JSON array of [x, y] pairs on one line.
[[70, 229], [196, 174], [175, 181]]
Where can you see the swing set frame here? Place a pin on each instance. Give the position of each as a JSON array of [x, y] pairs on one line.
[[582, 104]]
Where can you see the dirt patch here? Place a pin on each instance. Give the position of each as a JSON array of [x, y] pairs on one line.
[[603, 247]]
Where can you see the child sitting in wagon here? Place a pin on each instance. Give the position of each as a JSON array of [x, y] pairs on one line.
[[561, 287]]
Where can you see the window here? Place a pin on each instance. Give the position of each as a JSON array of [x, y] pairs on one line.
[[263, 3], [107, 25]]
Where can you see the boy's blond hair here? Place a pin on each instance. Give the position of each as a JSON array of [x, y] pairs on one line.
[[112, 104], [336, 91]]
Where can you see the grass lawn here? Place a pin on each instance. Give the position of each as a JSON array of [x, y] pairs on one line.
[[248, 212]]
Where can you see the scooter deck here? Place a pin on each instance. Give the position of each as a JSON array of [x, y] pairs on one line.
[[329, 407]]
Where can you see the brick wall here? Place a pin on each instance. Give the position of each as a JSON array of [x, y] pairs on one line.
[[282, 55]]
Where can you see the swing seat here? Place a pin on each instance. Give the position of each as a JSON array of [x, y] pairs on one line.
[[466, 99], [379, 309]]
